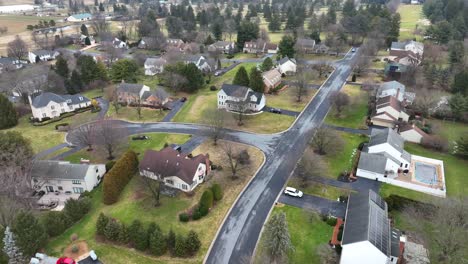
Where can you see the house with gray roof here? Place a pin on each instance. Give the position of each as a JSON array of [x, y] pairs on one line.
[[226, 47], [368, 237], [239, 98], [287, 66], [384, 156], [42, 55], [407, 53], [396, 89], [131, 93], [7, 64], [65, 177], [200, 61], [305, 45], [154, 66], [47, 105]]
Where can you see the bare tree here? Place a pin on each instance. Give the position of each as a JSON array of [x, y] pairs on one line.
[[216, 119], [339, 101], [237, 159], [99, 24], [263, 35], [111, 136], [154, 186], [311, 165], [445, 223], [327, 254], [230, 28], [242, 107], [113, 53], [303, 79], [84, 135], [326, 141], [17, 48], [162, 95], [425, 101], [322, 67], [111, 94]]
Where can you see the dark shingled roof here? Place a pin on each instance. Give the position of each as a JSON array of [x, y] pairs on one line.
[[387, 135], [56, 169], [235, 90], [258, 95], [372, 162], [42, 99], [283, 60], [130, 88], [389, 100], [169, 162], [367, 220]]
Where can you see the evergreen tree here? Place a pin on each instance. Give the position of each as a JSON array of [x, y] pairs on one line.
[[96, 3], [275, 23], [217, 30], [349, 8], [456, 52], [286, 47], [256, 80], [267, 64], [101, 224], [134, 229], [61, 67], [112, 230], [54, 223], [277, 240], [8, 116], [124, 69], [75, 83], [180, 247], [462, 146], [394, 31], [209, 40], [87, 41], [189, 19], [101, 7], [157, 243], [84, 30], [11, 250], [124, 235], [241, 77], [246, 32], [460, 83], [194, 76], [171, 239], [267, 12], [331, 14], [192, 243], [29, 233]]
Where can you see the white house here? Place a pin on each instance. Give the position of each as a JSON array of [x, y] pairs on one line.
[[388, 112], [384, 156], [396, 89], [412, 133], [119, 44], [175, 169], [407, 53], [7, 64], [240, 99], [42, 55], [80, 17], [222, 46], [260, 46], [200, 61], [154, 66], [368, 237], [65, 177], [287, 66], [50, 105]]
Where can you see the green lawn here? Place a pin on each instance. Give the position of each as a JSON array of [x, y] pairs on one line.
[[287, 99], [156, 142], [307, 231], [342, 161], [318, 189], [93, 93], [411, 15], [354, 115], [452, 131], [131, 114]]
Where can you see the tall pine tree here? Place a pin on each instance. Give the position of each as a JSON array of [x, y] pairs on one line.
[[8, 116], [256, 80], [241, 78], [61, 67], [29, 233]]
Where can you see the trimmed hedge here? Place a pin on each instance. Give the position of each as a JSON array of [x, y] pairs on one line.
[[217, 192], [55, 223], [184, 217], [117, 178], [206, 200]]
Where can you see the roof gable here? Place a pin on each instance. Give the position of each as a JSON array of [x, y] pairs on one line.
[[235, 90]]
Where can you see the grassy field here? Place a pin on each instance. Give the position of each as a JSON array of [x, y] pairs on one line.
[[135, 203], [287, 99], [318, 189], [130, 114], [354, 115], [18, 23], [44, 137], [307, 231], [156, 142], [411, 16], [342, 161], [452, 131]]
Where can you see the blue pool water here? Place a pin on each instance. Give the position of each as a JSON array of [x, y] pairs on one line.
[[425, 173]]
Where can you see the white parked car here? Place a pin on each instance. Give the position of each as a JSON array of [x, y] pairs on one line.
[[292, 192]]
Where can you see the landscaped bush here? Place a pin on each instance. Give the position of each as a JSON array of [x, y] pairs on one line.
[[112, 230], [396, 202], [157, 243], [206, 200], [109, 165], [180, 248], [196, 215], [117, 178], [184, 217], [54, 223], [331, 221], [101, 224], [217, 192], [213, 88], [435, 142], [74, 209], [124, 235], [171, 237], [192, 244]]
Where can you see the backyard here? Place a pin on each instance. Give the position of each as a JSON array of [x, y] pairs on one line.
[[411, 16], [354, 115], [307, 232], [136, 201]]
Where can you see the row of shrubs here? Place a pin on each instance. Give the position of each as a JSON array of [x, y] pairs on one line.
[[55, 223], [47, 120], [150, 239], [207, 200], [118, 177]]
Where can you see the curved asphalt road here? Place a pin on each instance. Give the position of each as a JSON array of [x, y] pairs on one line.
[[239, 234]]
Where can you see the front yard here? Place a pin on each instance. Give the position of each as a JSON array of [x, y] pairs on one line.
[[287, 99], [319, 189], [136, 203], [354, 115], [130, 114], [307, 232]]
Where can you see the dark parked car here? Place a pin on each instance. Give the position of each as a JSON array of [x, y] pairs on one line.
[[141, 137], [275, 110], [183, 99]]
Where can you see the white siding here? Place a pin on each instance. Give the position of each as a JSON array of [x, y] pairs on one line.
[[412, 136], [362, 253]]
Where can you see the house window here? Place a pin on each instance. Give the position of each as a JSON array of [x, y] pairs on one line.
[[184, 187], [78, 190], [52, 107], [171, 182], [406, 165], [401, 164], [43, 114], [76, 181], [200, 177], [70, 107]]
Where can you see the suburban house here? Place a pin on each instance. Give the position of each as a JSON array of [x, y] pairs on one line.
[[321, 48], [259, 47], [146, 42], [200, 61], [394, 70], [412, 133], [407, 53], [7, 64], [388, 112], [131, 93], [65, 177], [287, 66], [305, 45], [240, 99], [42, 55], [174, 43], [119, 44], [154, 66], [175, 169], [226, 47], [154, 98], [80, 17], [384, 156], [271, 79], [50, 105], [396, 89], [368, 237]]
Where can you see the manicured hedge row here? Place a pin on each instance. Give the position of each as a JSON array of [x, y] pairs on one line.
[[117, 178]]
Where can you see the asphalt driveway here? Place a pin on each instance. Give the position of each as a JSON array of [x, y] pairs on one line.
[[175, 108], [319, 204], [283, 111]]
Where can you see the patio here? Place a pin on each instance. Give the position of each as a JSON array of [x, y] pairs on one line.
[[59, 198]]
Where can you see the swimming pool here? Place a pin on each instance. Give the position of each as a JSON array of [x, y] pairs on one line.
[[425, 173]]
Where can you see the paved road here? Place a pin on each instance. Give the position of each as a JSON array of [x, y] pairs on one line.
[[176, 106], [283, 111], [322, 205], [238, 235]]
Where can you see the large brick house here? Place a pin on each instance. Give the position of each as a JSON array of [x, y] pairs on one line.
[[131, 93]]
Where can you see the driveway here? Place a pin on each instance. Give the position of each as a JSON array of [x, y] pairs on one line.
[[366, 132], [175, 108], [319, 204], [193, 143], [104, 104], [230, 67], [360, 185], [283, 111]]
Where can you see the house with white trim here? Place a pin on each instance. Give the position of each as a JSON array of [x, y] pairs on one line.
[[412, 133], [260, 46], [396, 89], [130, 93], [65, 177], [80, 17], [42, 55], [175, 169], [287, 66], [407, 53], [388, 112], [238, 98], [200, 61], [50, 105], [154, 66], [226, 47], [271, 79]]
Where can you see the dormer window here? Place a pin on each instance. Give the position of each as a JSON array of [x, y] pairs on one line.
[[81, 98], [69, 101]]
